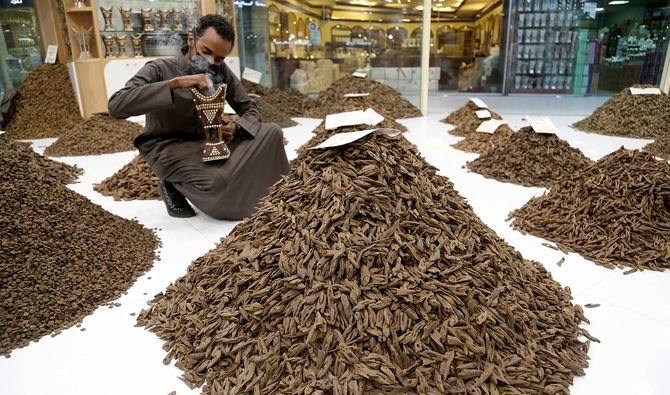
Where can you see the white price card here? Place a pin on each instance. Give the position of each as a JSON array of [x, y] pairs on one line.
[[481, 114], [356, 94], [645, 91], [52, 52], [478, 102], [252, 75], [341, 139], [351, 118], [490, 126], [542, 125], [360, 74]]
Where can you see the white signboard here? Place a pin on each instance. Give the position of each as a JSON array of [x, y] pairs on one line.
[[52, 52], [490, 126], [478, 102], [645, 91], [351, 118], [252, 75], [341, 139], [481, 114], [542, 125], [356, 94]]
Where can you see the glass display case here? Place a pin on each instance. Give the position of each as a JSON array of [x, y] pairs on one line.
[[139, 28]]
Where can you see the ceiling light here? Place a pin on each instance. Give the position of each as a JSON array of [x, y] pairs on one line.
[[600, 9], [405, 20], [618, 2]]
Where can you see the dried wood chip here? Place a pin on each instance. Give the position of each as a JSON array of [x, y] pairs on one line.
[[592, 305], [660, 147], [134, 181]]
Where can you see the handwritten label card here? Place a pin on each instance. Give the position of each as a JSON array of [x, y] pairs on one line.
[[360, 74], [542, 125], [478, 102], [482, 114], [52, 52], [351, 118], [252, 75], [645, 91], [341, 139], [490, 126]]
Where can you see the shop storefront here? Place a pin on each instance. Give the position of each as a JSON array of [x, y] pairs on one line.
[[485, 46]]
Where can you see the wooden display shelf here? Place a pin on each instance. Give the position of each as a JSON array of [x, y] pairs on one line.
[[79, 9], [543, 91]]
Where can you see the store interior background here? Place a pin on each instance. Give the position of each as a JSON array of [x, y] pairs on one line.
[[481, 46]]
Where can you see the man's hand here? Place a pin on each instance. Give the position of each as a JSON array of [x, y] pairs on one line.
[[199, 81], [228, 130]]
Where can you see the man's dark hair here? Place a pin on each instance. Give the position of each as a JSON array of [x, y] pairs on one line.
[[219, 23]]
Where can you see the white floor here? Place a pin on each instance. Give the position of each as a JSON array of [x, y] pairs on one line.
[[114, 357]]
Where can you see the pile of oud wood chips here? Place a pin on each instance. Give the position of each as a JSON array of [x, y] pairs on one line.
[[614, 212], [365, 272], [530, 159], [465, 119]]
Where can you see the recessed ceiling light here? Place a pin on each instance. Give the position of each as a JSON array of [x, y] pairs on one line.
[[618, 2], [600, 9]]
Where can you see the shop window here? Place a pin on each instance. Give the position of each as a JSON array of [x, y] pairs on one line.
[[340, 33], [395, 37], [301, 29]]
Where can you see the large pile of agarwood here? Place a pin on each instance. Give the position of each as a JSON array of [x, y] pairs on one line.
[[614, 212], [479, 142], [135, 181], [287, 102], [100, 134], [466, 120], [628, 115], [62, 256], [47, 106], [383, 95], [362, 272], [530, 159]]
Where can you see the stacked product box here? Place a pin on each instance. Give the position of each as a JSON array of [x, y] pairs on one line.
[[405, 79]]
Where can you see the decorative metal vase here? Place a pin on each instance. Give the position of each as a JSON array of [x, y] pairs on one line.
[[121, 42], [125, 14], [137, 45], [165, 19], [107, 16], [146, 14], [109, 46]]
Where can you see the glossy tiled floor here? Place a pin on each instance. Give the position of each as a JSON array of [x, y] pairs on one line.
[[114, 357]]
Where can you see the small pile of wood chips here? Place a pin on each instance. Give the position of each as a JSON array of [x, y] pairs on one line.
[[47, 106], [628, 115], [614, 212], [362, 272], [62, 256], [660, 147], [466, 120], [135, 181], [383, 95], [100, 134], [530, 159], [479, 142], [270, 114], [287, 102], [61, 172]]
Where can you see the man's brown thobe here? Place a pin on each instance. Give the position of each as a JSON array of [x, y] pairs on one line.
[[174, 139]]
